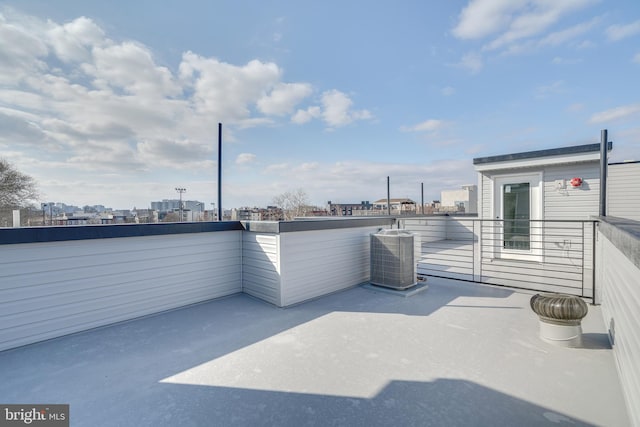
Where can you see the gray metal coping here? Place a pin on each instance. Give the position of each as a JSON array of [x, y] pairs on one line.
[[576, 149], [624, 234], [327, 223], [108, 231]]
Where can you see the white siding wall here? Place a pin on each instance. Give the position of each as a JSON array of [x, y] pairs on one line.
[[568, 203], [572, 203], [619, 285], [623, 190], [56, 288], [429, 230], [319, 262], [261, 266]]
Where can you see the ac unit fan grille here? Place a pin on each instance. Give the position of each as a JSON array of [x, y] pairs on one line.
[[392, 259]]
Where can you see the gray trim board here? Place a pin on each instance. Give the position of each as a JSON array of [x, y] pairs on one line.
[[85, 232], [10, 236], [316, 224], [577, 149]]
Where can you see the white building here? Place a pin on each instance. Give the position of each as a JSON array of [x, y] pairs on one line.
[[462, 200]]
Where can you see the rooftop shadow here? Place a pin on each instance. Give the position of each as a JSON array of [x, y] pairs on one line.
[[443, 402]]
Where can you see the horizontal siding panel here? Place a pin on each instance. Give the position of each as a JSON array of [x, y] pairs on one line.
[[113, 271], [60, 256], [85, 320], [618, 278], [260, 266], [623, 196], [321, 262], [572, 203], [44, 294], [39, 300]]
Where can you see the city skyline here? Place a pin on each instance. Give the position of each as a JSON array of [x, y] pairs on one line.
[[119, 103]]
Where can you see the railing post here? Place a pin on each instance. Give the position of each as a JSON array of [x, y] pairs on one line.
[[593, 261], [584, 258]]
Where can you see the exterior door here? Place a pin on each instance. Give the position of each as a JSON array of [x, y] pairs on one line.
[[518, 204]]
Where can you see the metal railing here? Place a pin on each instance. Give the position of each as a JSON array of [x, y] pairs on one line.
[[540, 255]]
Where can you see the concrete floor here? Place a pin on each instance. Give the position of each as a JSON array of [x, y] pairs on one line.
[[457, 354]]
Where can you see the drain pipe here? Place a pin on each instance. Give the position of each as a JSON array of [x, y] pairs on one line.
[[603, 172]]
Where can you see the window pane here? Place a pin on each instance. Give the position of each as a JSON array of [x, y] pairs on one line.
[[516, 202]]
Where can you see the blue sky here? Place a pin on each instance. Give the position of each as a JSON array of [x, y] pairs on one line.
[[117, 103]]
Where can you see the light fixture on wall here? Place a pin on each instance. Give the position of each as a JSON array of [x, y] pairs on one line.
[[576, 182]]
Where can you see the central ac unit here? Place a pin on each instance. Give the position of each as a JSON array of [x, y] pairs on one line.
[[392, 261]]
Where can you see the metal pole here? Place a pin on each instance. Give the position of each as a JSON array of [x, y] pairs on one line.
[[219, 171], [594, 230], [603, 172], [388, 199], [44, 218], [50, 214], [422, 198], [180, 190]]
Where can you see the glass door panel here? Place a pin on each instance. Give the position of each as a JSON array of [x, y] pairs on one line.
[[516, 209]]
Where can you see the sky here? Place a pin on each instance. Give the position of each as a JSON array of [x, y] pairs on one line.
[[118, 103]]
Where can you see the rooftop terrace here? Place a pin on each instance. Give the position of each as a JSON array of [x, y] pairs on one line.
[[203, 339], [456, 354]]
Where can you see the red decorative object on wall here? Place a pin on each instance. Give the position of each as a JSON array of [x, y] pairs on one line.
[[576, 182]]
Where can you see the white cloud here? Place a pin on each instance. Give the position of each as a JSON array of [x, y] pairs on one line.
[[175, 154], [111, 106], [471, 61], [277, 168], [617, 113], [306, 167], [481, 18], [131, 68], [72, 41], [337, 110], [304, 116], [283, 98], [622, 31], [513, 22], [22, 49], [224, 90], [349, 181], [563, 36], [245, 158], [536, 18], [430, 125]]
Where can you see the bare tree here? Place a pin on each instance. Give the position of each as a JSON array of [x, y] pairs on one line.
[[293, 203], [172, 217], [16, 188]]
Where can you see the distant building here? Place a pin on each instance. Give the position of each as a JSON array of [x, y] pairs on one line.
[[166, 205], [270, 213], [348, 209], [398, 206], [144, 216], [462, 200]]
